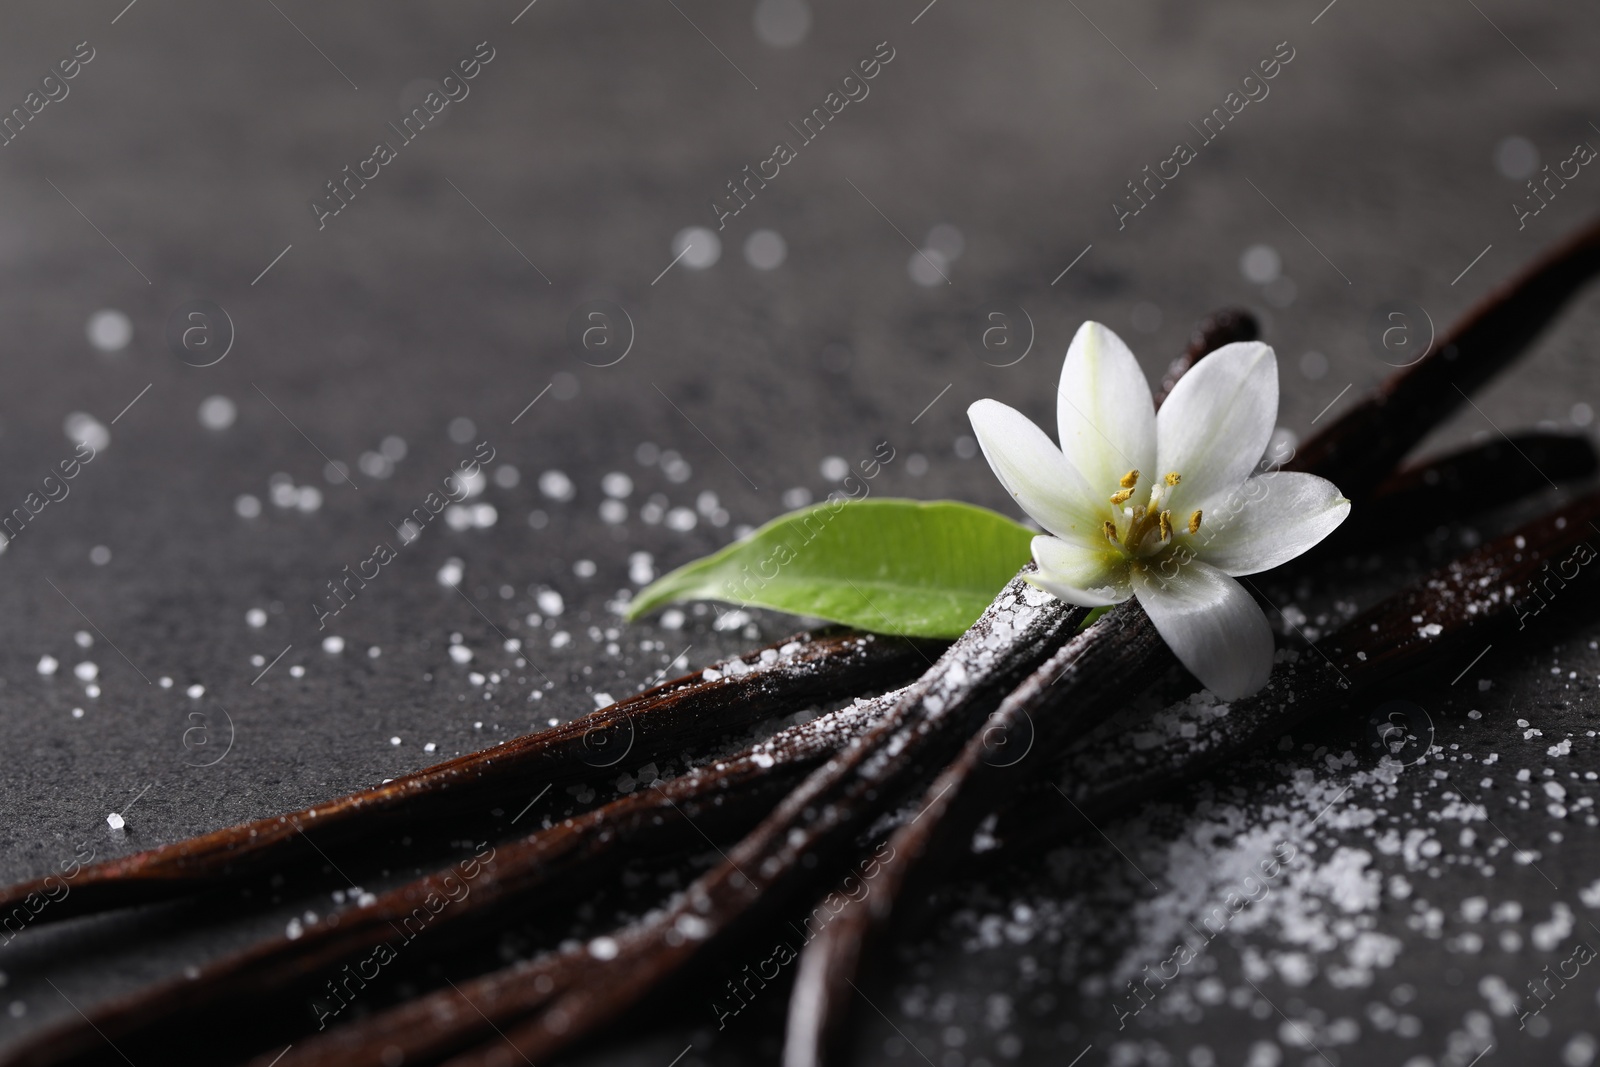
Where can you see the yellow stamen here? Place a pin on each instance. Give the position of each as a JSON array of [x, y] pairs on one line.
[[1174, 478], [1121, 495], [1129, 479], [1110, 529], [1194, 522], [1166, 525]]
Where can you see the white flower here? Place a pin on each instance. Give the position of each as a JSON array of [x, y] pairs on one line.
[[1162, 506]]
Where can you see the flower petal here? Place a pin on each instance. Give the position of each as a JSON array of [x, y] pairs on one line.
[[1211, 624], [1268, 521], [1104, 410], [1079, 574], [1215, 425], [1034, 471]]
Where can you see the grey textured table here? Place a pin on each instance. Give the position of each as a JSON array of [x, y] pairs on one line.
[[1382, 162]]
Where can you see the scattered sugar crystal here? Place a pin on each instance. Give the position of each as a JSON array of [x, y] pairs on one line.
[[217, 412], [1548, 936], [675, 467], [641, 568], [109, 330], [556, 485], [83, 428]]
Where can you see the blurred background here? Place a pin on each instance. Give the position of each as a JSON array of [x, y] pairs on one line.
[[269, 388]]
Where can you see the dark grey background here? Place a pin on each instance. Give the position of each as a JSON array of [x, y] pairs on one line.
[[198, 133]]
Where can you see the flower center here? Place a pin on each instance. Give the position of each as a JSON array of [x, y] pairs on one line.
[[1145, 529]]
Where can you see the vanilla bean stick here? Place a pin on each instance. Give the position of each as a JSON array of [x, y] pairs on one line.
[[1485, 597], [1371, 439], [651, 726], [1472, 481], [1483, 471], [1083, 683], [1457, 487], [544, 1005], [1224, 327], [719, 802]]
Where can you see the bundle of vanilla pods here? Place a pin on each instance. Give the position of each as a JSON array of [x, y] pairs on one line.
[[825, 830]]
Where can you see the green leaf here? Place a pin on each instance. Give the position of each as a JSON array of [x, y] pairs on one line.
[[1094, 616], [891, 566]]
